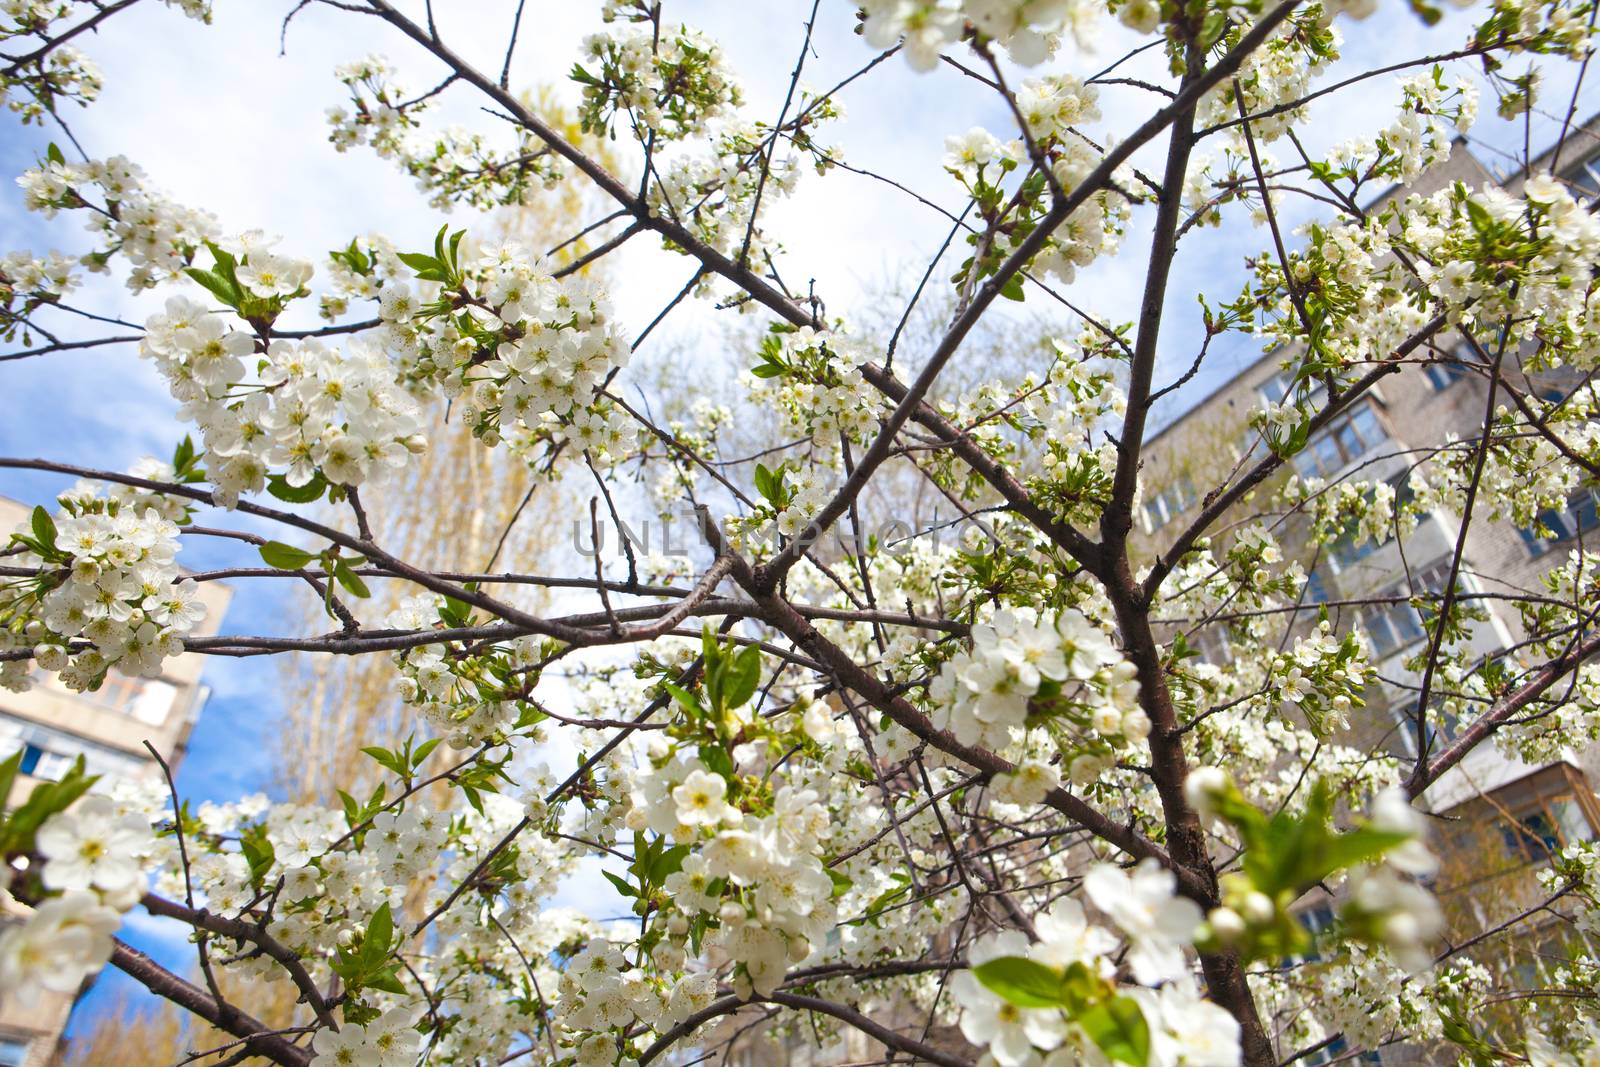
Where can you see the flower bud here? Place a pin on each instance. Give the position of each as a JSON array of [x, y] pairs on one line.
[[1204, 786], [1259, 909], [1226, 925]]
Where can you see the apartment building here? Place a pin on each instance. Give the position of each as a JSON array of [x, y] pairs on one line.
[[53, 726], [1503, 818]]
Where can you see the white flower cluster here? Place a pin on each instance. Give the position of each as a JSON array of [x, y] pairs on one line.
[[444, 685], [673, 83], [1458, 241], [1053, 108], [1321, 677], [63, 74], [62, 942], [713, 191], [381, 122], [820, 392], [456, 164], [1029, 30], [761, 533], [600, 991], [1021, 667], [53, 276], [359, 272], [527, 355], [1370, 1000], [309, 409], [158, 236], [1155, 925], [1276, 74], [108, 592], [1358, 509], [1406, 915], [776, 903], [390, 1040], [96, 855], [1432, 115]]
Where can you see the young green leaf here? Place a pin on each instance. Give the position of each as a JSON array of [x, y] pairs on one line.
[[1023, 982], [1119, 1028], [348, 578], [279, 487], [285, 557]]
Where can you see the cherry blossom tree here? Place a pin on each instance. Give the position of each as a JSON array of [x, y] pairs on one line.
[[979, 798]]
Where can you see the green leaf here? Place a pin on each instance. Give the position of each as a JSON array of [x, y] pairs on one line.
[[53, 154], [622, 884], [285, 557], [765, 484], [423, 750], [667, 861], [423, 264], [216, 285], [685, 699], [279, 487], [387, 980], [717, 760], [380, 935], [183, 456], [1012, 289], [1358, 846], [841, 882], [1119, 1028], [44, 528], [352, 810], [257, 852], [350, 579], [47, 799], [8, 776], [387, 759], [1023, 982], [743, 676]]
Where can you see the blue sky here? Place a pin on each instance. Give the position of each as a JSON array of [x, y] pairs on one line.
[[250, 145]]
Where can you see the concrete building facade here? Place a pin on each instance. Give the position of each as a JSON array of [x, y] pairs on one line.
[[1502, 819]]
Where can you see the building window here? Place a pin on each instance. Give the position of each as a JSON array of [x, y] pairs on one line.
[[146, 699], [1578, 517], [13, 1052], [1442, 375], [1391, 627], [1396, 625], [1584, 177], [48, 753], [1539, 818], [1275, 388], [1447, 370], [1534, 836], [40, 762], [1341, 444], [1346, 551], [1168, 504]]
